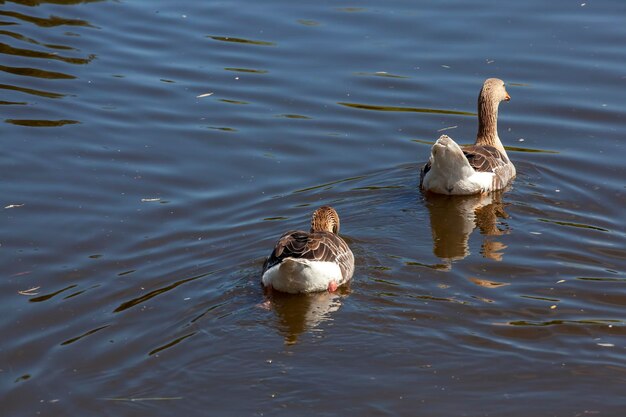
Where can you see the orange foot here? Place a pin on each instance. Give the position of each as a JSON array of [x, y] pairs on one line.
[[332, 286]]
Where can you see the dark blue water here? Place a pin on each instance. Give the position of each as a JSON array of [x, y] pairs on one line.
[[152, 153]]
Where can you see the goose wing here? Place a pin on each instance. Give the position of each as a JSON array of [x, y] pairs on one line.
[[485, 158], [317, 246], [490, 159], [423, 172]]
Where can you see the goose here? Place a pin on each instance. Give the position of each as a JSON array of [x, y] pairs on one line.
[[304, 262], [479, 168]]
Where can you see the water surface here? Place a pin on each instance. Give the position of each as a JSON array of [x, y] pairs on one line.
[[154, 151]]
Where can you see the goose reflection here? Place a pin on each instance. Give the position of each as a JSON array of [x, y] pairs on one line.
[[454, 218], [299, 313]]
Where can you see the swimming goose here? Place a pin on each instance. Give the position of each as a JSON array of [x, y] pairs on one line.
[[479, 168], [304, 262]]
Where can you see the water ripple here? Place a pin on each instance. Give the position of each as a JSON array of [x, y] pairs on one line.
[[51, 21], [404, 109], [29, 53], [32, 91], [38, 73], [41, 123], [241, 40]]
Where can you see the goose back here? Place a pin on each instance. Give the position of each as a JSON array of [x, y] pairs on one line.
[[315, 246]]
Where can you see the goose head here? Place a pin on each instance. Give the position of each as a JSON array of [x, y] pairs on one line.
[[325, 219], [494, 91]]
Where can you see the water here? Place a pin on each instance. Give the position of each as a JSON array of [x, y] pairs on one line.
[[152, 152]]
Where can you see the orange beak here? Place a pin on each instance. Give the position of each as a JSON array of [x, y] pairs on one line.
[[507, 97]]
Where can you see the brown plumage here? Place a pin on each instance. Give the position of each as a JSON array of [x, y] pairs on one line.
[[325, 219], [487, 155], [490, 159], [321, 244]]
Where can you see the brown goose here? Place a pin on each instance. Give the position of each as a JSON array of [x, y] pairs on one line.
[[318, 260], [479, 168]]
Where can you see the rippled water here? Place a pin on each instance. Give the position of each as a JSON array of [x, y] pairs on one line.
[[152, 152]]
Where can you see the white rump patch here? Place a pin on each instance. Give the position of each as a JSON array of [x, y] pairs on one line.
[[295, 275], [451, 173]]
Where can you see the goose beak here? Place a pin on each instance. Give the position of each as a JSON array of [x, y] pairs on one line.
[[507, 97]]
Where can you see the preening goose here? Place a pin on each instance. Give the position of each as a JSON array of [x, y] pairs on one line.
[[479, 168], [303, 262]]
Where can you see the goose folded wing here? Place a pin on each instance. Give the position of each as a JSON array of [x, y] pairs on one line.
[[318, 246], [485, 158], [490, 159], [423, 171]]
